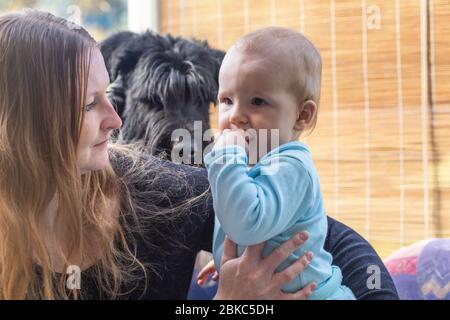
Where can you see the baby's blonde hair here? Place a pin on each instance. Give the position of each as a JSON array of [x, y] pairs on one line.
[[293, 48]]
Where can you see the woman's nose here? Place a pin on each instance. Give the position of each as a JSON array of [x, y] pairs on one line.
[[111, 119]]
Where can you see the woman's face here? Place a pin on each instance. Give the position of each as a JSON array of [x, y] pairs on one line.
[[100, 118]]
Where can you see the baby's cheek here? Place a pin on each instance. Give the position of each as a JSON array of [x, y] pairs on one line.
[[223, 122]]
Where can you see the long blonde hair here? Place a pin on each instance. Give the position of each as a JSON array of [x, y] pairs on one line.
[[44, 63]]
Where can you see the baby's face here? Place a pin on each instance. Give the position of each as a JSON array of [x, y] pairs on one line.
[[254, 93]]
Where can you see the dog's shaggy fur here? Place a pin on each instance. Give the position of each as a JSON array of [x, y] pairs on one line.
[[159, 84]]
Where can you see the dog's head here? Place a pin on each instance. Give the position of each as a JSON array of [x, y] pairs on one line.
[[160, 83]]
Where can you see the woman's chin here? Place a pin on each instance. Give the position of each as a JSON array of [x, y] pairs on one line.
[[95, 164]]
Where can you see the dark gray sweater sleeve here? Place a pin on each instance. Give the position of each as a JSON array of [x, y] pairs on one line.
[[362, 269]]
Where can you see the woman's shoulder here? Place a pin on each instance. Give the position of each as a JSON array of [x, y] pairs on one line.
[[357, 259]]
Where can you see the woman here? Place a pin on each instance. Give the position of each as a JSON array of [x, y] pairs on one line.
[[131, 223]]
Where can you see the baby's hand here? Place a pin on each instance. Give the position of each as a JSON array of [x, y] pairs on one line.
[[230, 137], [205, 272]]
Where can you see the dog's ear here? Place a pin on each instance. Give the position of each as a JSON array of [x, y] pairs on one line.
[[111, 46], [127, 57], [217, 54]]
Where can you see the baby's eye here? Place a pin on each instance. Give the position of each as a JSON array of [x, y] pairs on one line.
[[258, 102], [226, 101]]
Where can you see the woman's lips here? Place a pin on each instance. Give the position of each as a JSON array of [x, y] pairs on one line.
[[101, 144]]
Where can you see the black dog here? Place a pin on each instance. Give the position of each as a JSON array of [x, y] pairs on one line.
[[160, 84]]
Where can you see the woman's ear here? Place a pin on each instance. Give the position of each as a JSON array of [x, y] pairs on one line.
[[305, 115]]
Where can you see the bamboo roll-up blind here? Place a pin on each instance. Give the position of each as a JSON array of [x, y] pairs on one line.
[[382, 142]]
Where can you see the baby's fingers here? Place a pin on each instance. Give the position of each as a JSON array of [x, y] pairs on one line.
[[204, 272], [201, 281], [202, 277]]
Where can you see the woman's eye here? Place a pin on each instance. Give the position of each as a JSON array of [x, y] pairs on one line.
[[90, 106], [258, 102]]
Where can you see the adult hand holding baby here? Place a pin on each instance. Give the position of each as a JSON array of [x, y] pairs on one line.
[[253, 277]]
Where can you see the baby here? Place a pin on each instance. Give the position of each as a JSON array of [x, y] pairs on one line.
[[269, 89]]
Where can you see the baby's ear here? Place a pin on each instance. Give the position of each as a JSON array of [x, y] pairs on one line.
[[305, 115]]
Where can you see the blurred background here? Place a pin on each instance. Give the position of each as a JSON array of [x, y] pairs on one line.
[[382, 142], [101, 18]]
